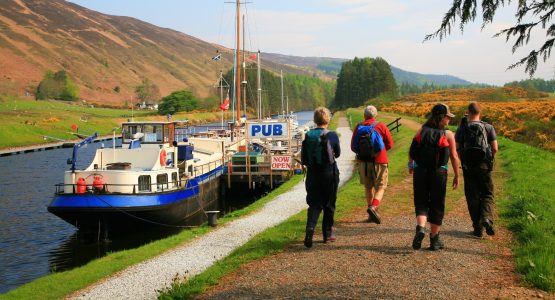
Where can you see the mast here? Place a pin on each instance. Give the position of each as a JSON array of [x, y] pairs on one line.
[[281, 76], [238, 66], [222, 95], [259, 88], [244, 82]]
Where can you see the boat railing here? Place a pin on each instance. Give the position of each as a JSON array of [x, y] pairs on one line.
[[207, 168], [107, 188]]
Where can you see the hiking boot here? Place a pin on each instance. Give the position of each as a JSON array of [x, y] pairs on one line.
[[330, 238], [435, 242], [373, 215], [478, 232], [488, 225], [308, 238], [418, 237]]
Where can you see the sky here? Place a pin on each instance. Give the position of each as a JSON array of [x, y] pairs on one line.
[[391, 29]]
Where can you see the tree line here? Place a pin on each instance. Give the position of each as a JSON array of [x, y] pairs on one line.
[[362, 79], [542, 85]]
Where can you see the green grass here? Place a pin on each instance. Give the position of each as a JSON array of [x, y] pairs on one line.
[[527, 206], [276, 239], [25, 122]]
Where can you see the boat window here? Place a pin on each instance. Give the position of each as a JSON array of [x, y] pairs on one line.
[[144, 183], [153, 133], [162, 181], [174, 179], [130, 130]]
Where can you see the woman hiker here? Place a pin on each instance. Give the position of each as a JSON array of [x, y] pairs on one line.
[[429, 155], [319, 150]]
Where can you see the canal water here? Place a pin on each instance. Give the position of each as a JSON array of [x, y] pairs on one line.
[[33, 242]]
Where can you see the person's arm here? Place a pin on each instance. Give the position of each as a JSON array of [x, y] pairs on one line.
[[354, 139], [387, 139], [454, 157], [494, 147], [492, 138], [334, 141]]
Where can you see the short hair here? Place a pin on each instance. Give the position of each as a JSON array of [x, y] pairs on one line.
[[322, 116], [474, 108], [370, 112]]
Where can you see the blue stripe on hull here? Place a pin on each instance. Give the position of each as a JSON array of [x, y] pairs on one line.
[[135, 200]]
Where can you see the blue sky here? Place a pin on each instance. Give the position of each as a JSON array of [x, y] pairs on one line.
[[391, 29]]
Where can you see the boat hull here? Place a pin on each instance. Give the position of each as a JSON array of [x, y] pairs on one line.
[[124, 213]]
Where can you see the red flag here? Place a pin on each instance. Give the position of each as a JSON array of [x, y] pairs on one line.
[[73, 126], [252, 56], [225, 104]]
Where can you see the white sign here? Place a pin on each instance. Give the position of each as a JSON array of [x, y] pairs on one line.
[[267, 130], [281, 162]]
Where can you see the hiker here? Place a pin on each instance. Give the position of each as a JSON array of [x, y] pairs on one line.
[[370, 141], [429, 154], [477, 147], [320, 148]]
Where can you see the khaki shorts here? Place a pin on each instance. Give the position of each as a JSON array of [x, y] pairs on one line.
[[373, 175]]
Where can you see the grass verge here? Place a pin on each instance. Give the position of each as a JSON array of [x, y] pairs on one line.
[[527, 206], [275, 240]]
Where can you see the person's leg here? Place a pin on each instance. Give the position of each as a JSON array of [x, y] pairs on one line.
[[472, 195], [379, 180], [329, 210], [437, 207], [487, 201], [313, 213], [421, 201]]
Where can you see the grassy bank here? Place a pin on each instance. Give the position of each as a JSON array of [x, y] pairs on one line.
[[276, 239], [25, 122], [527, 206]]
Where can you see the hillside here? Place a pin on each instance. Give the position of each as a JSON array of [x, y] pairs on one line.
[[102, 52], [331, 67]]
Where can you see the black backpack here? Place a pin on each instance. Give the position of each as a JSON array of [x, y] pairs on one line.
[[316, 149], [427, 154], [370, 142], [476, 149]]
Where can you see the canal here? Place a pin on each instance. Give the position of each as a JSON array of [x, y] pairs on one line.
[[33, 242]]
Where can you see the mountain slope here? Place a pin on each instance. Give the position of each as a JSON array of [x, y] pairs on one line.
[[331, 66], [102, 52]]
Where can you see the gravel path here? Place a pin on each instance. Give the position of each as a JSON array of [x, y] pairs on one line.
[[370, 261], [144, 280]]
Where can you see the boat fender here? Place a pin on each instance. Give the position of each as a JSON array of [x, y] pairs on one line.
[[98, 184], [163, 157], [81, 185]]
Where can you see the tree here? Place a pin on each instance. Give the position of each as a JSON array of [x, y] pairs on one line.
[[177, 101], [57, 86], [539, 11], [147, 92], [362, 79]]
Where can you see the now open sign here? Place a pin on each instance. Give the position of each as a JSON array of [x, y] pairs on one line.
[[267, 130], [281, 162]]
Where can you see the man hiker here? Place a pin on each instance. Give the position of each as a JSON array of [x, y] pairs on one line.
[[477, 147], [370, 141]]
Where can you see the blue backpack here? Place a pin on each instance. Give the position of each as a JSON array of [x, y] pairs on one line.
[[370, 142]]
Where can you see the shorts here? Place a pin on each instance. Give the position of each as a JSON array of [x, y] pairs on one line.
[[373, 175]]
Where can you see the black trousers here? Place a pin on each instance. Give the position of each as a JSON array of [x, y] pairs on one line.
[[429, 188], [478, 189], [321, 194]]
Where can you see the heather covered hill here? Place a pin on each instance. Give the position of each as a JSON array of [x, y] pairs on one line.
[[107, 56]]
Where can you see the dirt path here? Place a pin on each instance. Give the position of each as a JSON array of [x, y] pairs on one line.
[[376, 261]]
